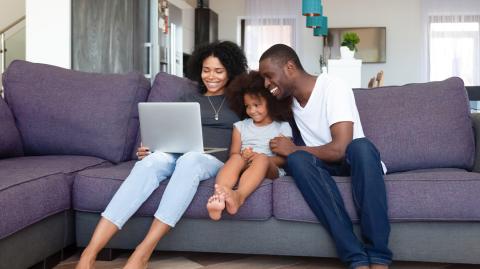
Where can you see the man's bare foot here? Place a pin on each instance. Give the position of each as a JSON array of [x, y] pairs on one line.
[[215, 206], [232, 199], [378, 266]]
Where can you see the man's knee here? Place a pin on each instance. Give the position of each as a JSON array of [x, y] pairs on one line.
[[361, 147], [298, 158]]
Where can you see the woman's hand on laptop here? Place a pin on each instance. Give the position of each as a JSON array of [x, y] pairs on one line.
[[142, 152]]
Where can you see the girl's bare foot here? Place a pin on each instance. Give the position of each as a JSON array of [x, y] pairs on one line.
[[216, 205], [232, 199]]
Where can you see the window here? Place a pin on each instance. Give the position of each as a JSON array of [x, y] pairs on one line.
[[257, 35], [454, 48]]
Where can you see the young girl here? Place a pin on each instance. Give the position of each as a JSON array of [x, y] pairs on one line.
[[251, 159]]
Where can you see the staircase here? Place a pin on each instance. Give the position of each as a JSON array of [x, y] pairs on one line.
[[12, 45]]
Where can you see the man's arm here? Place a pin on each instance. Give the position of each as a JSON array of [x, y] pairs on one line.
[[342, 135]]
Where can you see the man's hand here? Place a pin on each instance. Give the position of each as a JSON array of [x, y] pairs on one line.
[[282, 146], [142, 152]]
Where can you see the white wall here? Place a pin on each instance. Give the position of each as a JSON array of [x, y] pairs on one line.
[[11, 10], [228, 12], [404, 34], [309, 47], [401, 18], [48, 32], [188, 17]]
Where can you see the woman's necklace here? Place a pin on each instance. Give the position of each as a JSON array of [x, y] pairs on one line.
[[215, 110]]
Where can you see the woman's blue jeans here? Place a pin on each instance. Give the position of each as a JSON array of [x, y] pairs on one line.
[[314, 180], [185, 172]]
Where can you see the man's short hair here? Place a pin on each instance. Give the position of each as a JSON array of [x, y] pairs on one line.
[[281, 54]]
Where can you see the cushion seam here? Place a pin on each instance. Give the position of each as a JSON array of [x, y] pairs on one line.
[[129, 122]]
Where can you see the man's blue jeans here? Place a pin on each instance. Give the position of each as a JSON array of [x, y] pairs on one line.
[[314, 180]]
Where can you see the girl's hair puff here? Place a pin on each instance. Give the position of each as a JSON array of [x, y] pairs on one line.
[[253, 84]]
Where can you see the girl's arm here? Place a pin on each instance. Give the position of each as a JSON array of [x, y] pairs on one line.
[[236, 145]]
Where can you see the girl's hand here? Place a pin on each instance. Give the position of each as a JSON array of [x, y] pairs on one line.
[[246, 153], [142, 152]]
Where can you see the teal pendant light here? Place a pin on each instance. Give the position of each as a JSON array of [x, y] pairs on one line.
[[312, 8], [323, 29], [314, 21]]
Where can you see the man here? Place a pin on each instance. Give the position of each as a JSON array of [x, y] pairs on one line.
[[327, 117]]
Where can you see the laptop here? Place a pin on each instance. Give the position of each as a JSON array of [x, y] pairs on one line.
[[172, 127]]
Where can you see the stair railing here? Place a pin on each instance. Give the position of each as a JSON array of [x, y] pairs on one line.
[[3, 48]]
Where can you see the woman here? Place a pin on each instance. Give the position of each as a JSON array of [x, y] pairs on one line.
[[213, 66]]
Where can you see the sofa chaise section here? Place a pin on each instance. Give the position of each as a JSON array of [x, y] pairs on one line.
[[59, 122], [36, 189]]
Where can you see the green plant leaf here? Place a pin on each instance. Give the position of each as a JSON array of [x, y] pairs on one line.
[[350, 39]]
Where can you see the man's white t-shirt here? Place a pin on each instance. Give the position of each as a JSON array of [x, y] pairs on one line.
[[331, 101]]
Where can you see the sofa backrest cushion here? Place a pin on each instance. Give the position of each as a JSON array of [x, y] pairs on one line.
[[60, 111], [419, 126], [167, 88], [10, 141]]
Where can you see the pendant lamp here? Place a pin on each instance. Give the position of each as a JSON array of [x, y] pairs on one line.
[[323, 29], [312, 8]]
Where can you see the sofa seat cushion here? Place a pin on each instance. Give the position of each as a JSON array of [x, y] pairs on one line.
[[33, 188], [64, 112], [94, 188], [422, 195], [10, 141]]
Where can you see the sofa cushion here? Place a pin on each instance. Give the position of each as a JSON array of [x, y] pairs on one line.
[[65, 112], [169, 88], [418, 126], [33, 188], [422, 195], [10, 142], [94, 188]]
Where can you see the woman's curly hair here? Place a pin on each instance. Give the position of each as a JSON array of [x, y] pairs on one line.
[[253, 84], [230, 55]]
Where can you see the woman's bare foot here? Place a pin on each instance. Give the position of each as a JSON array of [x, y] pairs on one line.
[[136, 261], [85, 262], [232, 199], [216, 205], [378, 266]]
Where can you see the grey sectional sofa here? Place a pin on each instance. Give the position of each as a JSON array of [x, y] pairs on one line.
[[67, 140]]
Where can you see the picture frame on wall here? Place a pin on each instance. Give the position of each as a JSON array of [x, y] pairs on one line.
[[372, 46]]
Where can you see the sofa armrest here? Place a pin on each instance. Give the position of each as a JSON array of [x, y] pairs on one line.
[[476, 127]]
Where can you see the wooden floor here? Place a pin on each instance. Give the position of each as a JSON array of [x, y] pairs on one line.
[[193, 260]]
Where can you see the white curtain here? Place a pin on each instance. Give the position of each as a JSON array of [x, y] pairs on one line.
[[454, 48], [269, 22], [451, 40]]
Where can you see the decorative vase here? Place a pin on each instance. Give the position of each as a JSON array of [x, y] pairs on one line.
[[346, 53]]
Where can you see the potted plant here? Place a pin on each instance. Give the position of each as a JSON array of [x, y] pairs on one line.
[[349, 45]]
